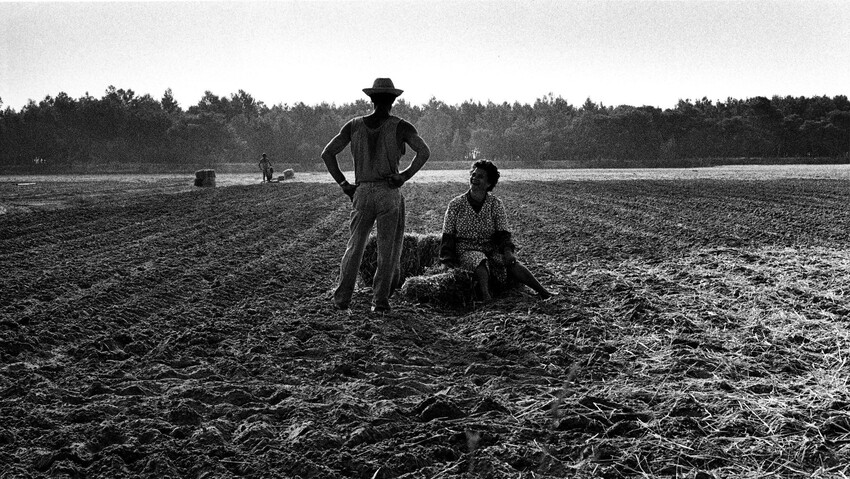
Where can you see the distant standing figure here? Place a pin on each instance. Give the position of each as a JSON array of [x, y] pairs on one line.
[[266, 166], [377, 145], [476, 236]]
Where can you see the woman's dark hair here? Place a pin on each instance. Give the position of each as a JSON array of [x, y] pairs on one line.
[[491, 169]]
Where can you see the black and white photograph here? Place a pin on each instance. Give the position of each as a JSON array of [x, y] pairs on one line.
[[423, 239]]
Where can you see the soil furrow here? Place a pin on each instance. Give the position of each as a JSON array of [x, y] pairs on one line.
[[199, 338]]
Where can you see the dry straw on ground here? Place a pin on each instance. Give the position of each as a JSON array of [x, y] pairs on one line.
[[701, 331]]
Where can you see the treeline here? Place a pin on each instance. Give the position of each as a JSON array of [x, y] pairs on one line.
[[61, 132]]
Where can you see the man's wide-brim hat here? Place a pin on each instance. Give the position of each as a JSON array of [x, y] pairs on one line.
[[383, 86]]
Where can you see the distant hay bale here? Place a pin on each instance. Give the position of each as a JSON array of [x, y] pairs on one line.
[[205, 178], [451, 288], [418, 252]]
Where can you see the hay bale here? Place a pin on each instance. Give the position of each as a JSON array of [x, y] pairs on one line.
[[369, 263], [410, 265], [424, 279], [418, 252], [205, 178], [452, 288], [429, 250]]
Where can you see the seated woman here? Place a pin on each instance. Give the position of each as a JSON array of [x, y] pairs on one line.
[[476, 236]]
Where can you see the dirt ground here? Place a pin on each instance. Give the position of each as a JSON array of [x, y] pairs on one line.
[[153, 329]]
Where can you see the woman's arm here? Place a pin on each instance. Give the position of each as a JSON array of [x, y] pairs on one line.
[[448, 251], [503, 241], [502, 237]]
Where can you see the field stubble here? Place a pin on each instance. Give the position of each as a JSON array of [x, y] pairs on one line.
[[162, 331]]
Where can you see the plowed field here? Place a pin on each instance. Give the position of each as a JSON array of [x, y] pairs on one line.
[[160, 330]]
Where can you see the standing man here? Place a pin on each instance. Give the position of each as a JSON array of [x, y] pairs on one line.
[[377, 144], [266, 166]]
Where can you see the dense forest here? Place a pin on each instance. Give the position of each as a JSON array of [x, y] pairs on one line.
[[123, 130]]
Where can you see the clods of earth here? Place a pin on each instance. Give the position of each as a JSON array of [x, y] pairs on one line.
[[162, 330]]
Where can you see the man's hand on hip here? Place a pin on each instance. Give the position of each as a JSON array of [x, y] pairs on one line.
[[396, 180], [348, 189]]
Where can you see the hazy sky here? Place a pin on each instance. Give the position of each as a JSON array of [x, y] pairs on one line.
[[641, 52]]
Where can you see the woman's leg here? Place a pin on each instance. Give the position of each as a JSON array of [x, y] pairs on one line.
[[524, 276], [482, 280]]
